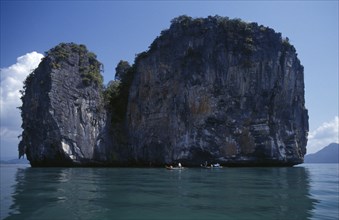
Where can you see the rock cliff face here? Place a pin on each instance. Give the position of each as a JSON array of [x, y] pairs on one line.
[[218, 90], [63, 111], [212, 89]]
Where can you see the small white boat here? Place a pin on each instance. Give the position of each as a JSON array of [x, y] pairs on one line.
[[212, 166], [174, 168], [216, 165]]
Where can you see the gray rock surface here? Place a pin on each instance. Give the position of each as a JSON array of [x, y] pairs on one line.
[[218, 90], [63, 111], [213, 89]]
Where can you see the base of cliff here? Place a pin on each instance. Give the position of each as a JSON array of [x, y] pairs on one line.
[[244, 163]]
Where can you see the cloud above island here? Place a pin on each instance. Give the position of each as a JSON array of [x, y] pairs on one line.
[[11, 82], [324, 135]]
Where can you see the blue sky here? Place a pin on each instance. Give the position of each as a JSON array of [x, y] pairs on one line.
[[118, 30]]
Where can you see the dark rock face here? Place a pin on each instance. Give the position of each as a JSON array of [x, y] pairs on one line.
[[213, 89], [218, 90]]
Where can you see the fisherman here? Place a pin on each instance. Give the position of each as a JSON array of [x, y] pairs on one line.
[[179, 165]]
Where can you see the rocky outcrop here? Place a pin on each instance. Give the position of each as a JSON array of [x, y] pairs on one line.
[[218, 90], [212, 89], [63, 110]]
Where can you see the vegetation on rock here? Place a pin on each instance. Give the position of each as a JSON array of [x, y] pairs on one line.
[[89, 66], [117, 91]]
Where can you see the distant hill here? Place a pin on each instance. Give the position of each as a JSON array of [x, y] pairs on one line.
[[329, 154], [15, 161]]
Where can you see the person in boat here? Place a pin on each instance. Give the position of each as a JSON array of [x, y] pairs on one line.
[[179, 165], [216, 165]]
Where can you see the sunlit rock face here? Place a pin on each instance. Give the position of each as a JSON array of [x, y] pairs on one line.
[[63, 112], [218, 90]]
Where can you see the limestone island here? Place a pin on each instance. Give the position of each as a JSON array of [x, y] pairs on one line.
[[208, 89]]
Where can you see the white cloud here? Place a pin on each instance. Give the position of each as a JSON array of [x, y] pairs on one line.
[[324, 135], [11, 82]]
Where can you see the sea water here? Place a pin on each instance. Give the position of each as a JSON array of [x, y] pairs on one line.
[[308, 191]]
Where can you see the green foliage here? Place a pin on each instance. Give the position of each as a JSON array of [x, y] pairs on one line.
[[79, 48], [91, 55], [121, 69], [237, 32], [59, 52], [286, 43], [238, 24], [91, 74], [248, 46], [263, 28], [112, 90], [117, 92], [89, 66], [113, 100], [183, 20]]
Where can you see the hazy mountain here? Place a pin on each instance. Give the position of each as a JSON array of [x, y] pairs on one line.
[[329, 154]]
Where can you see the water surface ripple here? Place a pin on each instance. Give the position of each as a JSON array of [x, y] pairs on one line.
[[303, 192]]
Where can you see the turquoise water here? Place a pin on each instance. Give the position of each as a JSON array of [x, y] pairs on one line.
[[309, 191]]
